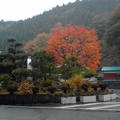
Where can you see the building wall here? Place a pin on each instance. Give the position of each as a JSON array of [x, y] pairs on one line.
[[110, 76], [29, 67]]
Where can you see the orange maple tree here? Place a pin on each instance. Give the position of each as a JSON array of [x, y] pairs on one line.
[[77, 41]]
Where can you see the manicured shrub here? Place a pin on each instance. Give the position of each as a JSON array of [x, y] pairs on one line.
[[67, 88], [85, 87], [95, 87], [35, 90], [47, 83], [102, 86], [51, 85], [76, 82], [4, 80], [70, 67], [88, 74], [25, 87], [64, 88], [12, 87], [21, 73], [51, 89], [73, 85]]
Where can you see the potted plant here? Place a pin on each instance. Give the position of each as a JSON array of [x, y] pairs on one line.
[[88, 98], [88, 95], [68, 96], [113, 96], [68, 99], [104, 95]]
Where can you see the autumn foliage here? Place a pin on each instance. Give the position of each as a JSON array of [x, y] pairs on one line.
[[77, 41], [25, 87], [38, 42]]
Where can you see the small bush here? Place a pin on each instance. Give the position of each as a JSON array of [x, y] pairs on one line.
[[3, 92], [51, 89], [88, 74], [87, 93], [4, 80], [47, 83], [64, 88], [76, 82], [67, 88], [102, 86], [21, 74], [95, 87], [73, 85], [12, 87], [25, 87], [35, 90], [85, 87]]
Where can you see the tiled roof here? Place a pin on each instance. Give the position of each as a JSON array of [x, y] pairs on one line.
[[114, 68]]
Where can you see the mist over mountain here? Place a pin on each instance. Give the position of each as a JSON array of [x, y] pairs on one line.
[[82, 13]]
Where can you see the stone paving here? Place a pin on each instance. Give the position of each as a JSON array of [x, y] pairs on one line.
[[89, 111], [105, 106], [68, 112], [100, 106]]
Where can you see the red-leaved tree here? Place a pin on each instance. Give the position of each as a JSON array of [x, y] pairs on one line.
[[77, 41]]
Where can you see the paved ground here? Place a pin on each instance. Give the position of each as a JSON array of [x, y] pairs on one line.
[[105, 106], [93, 111]]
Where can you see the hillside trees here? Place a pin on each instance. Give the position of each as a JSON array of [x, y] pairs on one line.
[[77, 13], [77, 41], [39, 42], [99, 23], [112, 34], [112, 40]]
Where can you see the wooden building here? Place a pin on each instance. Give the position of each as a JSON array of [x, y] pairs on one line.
[[111, 75]]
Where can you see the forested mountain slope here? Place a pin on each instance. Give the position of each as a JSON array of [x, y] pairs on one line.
[[111, 37], [84, 13]]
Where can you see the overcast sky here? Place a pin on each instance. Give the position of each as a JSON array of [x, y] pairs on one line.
[[22, 9]]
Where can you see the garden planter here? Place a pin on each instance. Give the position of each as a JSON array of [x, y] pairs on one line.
[[68, 100], [113, 96], [87, 99], [104, 98]]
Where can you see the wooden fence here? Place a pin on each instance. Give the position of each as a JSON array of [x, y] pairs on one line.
[[28, 99]]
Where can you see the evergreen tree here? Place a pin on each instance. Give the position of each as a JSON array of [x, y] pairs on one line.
[[43, 65], [12, 58], [70, 67]]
